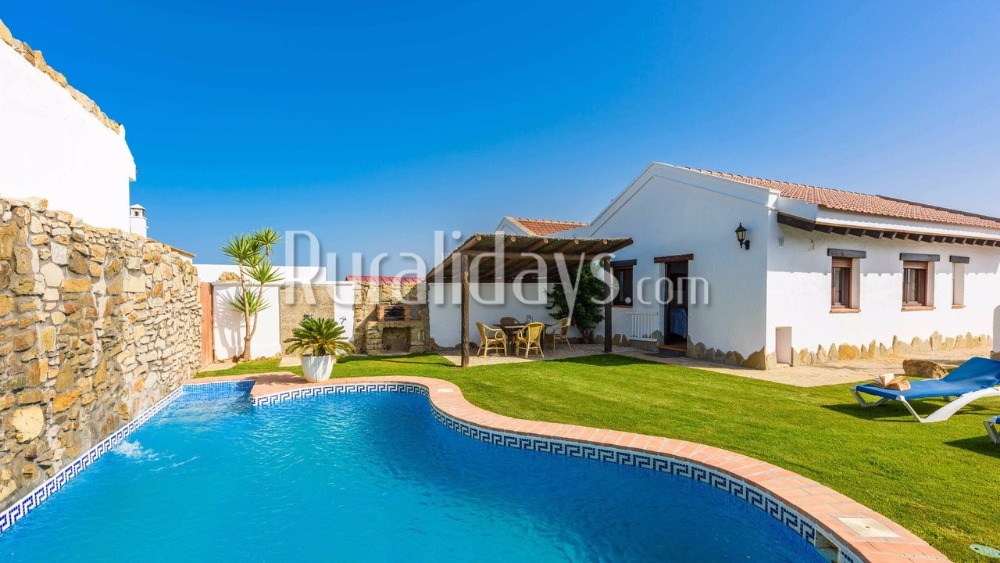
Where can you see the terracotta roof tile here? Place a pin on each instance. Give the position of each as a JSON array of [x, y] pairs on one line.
[[867, 204], [542, 227]]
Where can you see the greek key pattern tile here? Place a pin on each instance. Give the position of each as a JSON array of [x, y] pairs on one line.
[[219, 390], [22, 507], [740, 489], [305, 392]]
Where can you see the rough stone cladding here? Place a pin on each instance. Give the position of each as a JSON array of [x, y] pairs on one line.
[[96, 326], [368, 295], [763, 359]]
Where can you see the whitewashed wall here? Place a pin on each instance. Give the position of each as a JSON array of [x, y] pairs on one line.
[[52, 148], [799, 291], [996, 331], [446, 311], [343, 306], [670, 211], [228, 327], [228, 324], [784, 279]]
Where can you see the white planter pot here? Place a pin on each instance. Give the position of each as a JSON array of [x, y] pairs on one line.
[[317, 368]]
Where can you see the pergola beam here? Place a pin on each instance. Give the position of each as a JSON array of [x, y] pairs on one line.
[[465, 311], [609, 334]]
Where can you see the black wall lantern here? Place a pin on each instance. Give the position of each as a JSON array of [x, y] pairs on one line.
[[741, 237]]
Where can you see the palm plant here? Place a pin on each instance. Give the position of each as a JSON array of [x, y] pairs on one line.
[[252, 255], [318, 336]]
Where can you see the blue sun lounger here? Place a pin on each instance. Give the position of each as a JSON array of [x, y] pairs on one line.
[[975, 379], [993, 428]]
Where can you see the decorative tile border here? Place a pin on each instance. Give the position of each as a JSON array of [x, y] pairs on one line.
[[22, 507], [219, 389], [304, 392], [798, 503]]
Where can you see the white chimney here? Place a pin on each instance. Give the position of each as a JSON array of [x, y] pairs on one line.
[[137, 220]]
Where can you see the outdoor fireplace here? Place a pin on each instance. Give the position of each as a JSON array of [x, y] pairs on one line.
[[391, 313], [391, 316], [395, 331], [396, 340]]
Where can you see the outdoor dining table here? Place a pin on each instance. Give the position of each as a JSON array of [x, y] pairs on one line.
[[510, 330]]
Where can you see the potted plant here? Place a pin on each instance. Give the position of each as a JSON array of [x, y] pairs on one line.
[[321, 340]]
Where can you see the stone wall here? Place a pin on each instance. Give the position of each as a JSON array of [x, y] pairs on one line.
[[897, 347], [95, 326], [763, 359], [298, 300]]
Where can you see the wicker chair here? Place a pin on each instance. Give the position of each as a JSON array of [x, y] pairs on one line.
[[491, 339], [531, 338], [560, 332], [509, 321]]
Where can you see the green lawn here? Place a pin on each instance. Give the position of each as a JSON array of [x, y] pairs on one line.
[[942, 481]]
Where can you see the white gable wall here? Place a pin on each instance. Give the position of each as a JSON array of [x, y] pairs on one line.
[[669, 211], [509, 227], [52, 148]]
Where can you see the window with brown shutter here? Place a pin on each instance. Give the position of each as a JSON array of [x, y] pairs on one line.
[[915, 284], [841, 286], [623, 275]]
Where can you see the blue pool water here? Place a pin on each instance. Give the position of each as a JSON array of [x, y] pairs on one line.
[[374, 477]]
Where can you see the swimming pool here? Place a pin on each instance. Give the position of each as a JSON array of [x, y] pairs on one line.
[[375, 476]]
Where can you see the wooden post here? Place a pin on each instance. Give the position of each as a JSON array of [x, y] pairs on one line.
[[608, 332], [465, 311]]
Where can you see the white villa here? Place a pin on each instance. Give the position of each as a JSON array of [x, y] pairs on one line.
[[59, 146], [822, 274]]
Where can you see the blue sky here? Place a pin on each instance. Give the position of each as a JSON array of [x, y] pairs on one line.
[[373, 124]]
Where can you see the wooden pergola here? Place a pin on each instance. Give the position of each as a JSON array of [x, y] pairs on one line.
[[506, 258]]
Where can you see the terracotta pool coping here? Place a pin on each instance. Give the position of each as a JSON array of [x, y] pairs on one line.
[[824, 506]]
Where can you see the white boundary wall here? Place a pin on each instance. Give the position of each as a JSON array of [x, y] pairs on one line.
[[227, 326]]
